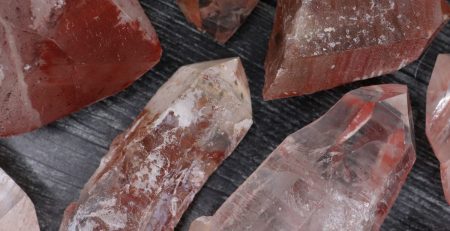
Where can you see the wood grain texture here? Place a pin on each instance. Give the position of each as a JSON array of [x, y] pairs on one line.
[[53, 163]]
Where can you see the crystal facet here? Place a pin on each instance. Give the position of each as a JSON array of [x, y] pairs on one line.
[[317, 45], [438, 115], [58, 56], [219, 18], [153, 170], [16, 209], [342, 172]]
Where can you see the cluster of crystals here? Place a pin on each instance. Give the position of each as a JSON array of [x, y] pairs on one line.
[[437, 119], [317, 45], [342, 172], [153, 170], [16, 209], [219, 18], [66, 55]]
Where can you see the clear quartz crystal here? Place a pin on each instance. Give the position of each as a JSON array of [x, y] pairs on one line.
[[438, 114], [16, 209], [318, 45], [341, 172], [154, 169]]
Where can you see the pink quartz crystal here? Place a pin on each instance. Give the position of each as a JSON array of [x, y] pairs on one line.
[[341, 172], [154, 169], [57, 56], [317, 45], [438, 114], [17, 212], [219, 18]]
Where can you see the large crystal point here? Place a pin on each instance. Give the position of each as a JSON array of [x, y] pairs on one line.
[[341, 172], [438, 117], [16, 209], [219, 18], [317, 45], [153, 170], [58, 56]]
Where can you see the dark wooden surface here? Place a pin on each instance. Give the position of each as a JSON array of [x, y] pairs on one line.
[[53, 163]]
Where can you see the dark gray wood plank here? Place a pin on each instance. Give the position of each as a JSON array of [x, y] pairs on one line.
[[53, 163], [270, 2]]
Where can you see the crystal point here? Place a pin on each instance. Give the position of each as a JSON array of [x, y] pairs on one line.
[[219, 18], [341, 172], [312, 50], [16, 209], [438, 115], [58, 56], [154, 169]]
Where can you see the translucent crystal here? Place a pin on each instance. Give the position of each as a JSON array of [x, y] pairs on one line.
[[16, 209], [57, 56], [219, 18], [317, 45], [154, 169], [438, 117], [341, 172]]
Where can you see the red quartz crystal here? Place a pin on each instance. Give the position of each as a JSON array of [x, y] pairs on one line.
[[341, 172], [438, 117], [57, 56], [219, 18], [317, 45], [153, 170]]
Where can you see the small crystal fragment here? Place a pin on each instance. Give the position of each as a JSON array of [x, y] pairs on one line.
[[57, 56], [341, 172], [16, 209], [438, 117], [153, 170], [219, 18], [318, 45]]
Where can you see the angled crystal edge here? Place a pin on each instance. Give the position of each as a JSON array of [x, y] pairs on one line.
[[154, 169], [311, 51], [64, 54], [17, 211], [219, 18], [341, 172], [437, 117]]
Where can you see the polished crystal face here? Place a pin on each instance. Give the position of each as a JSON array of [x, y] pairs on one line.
[[154, 169], [438, 117], [341, 172], [58, 56], [318, 45]]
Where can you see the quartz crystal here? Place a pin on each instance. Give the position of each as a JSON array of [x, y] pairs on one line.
[[57, 56], [154, 169], [16, 209], [219, 18], [341, 172], [317, 45], [438, 117]]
